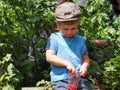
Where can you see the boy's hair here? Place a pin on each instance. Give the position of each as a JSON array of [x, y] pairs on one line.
[[67, 11]]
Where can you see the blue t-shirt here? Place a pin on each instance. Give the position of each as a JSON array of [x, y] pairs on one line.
[[71, 49]]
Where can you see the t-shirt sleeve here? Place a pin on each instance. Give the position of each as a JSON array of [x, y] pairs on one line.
[[84, 48], [51, 43]]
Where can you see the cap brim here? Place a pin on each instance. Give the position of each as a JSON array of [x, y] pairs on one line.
[[68, 19]]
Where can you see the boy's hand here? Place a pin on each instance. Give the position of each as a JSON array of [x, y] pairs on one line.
[[71, 69], [83, 71], [85, 66]]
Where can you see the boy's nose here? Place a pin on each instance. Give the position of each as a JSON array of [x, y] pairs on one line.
[[70, 32]]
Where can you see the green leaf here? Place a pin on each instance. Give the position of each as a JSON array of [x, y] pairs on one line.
[[10, 69], [7, 58], [8, 87]]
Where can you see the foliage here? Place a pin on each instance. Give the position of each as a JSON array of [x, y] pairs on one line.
[[112, 73], [9, 75], [44, 83], [94, 72], [98, 22], [24, 27]]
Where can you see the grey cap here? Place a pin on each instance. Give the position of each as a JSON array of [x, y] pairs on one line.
[[67, 11]]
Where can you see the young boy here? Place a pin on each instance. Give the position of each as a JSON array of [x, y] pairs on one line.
[[66, 51]]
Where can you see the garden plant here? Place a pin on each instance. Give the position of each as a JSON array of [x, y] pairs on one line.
[[25, 26]]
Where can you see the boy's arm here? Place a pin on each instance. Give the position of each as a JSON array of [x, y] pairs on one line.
[[52, 58], [85, 65]]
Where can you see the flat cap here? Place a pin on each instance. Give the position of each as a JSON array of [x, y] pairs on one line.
[[67, 11]]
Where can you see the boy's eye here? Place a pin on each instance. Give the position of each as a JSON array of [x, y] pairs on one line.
[[65, 28], [73, 28]]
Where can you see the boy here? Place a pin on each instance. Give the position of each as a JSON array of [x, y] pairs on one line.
[[66, 51]]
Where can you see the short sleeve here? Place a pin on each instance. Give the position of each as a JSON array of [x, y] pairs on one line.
[[84, 48], [51, 43]]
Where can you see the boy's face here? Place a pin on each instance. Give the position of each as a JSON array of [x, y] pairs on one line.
[[68, 30]]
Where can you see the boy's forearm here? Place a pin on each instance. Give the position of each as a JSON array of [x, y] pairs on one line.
[[52, 58], [55, 60], [86, 61]]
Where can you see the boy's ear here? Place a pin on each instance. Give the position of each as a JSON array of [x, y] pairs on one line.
[[78, 21], [56, 23]]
